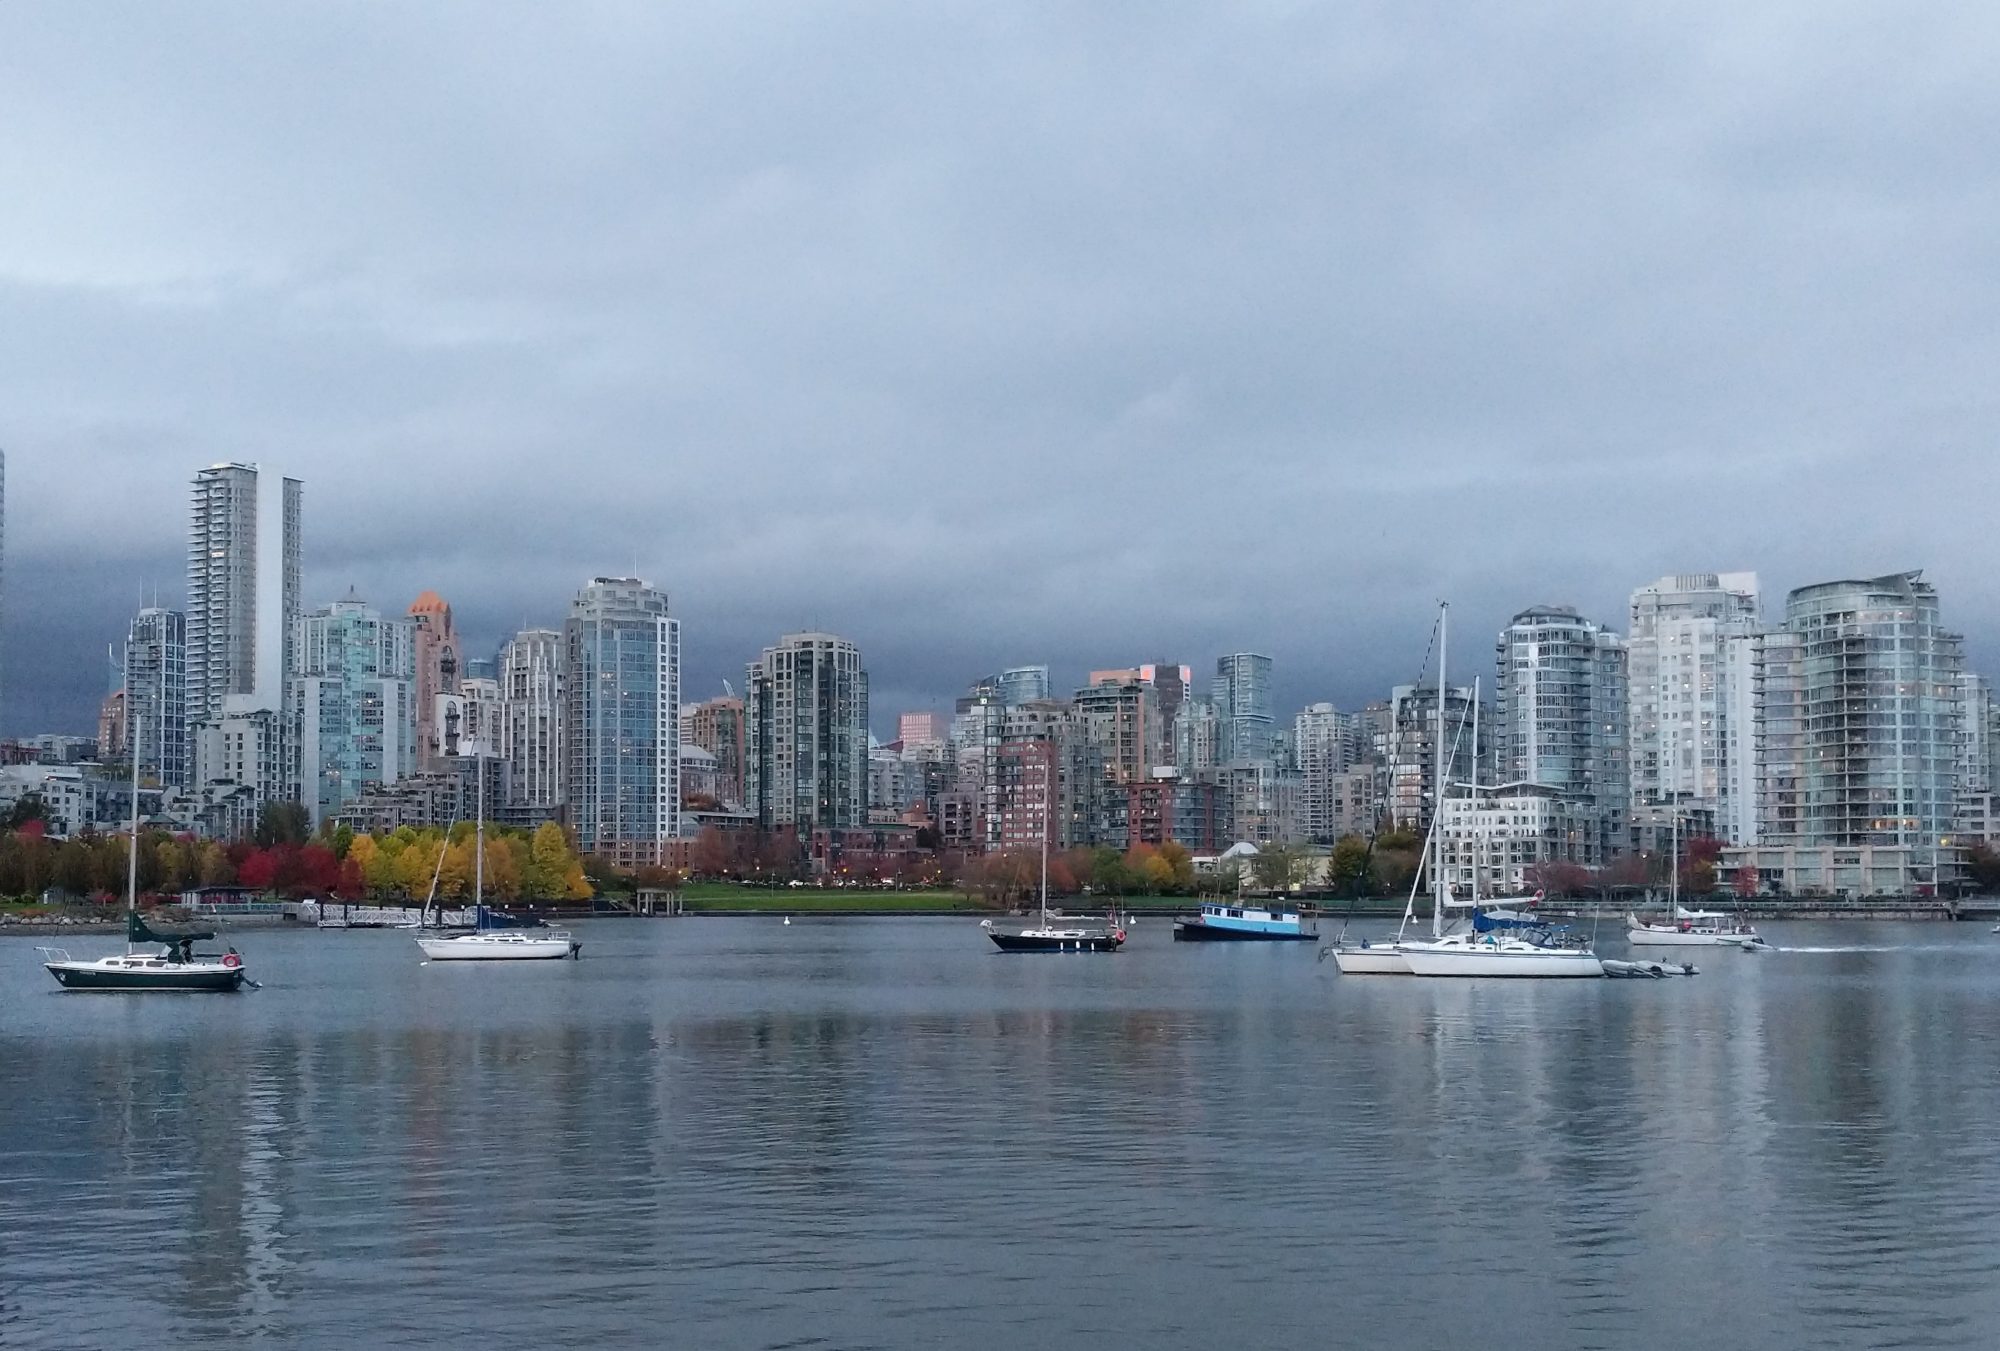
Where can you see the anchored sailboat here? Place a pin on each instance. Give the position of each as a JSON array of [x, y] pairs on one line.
[[178, 967], [487, 942], [1048, 935]]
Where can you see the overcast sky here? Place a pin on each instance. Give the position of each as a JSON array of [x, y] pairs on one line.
[[999, 334]]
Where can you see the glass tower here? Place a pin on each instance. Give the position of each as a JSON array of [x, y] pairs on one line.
[[622, 654]]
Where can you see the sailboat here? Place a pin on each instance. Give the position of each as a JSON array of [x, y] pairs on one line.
[[488, 943], [1048, 934], [1363, 957], [1690, 928], [178, 967], [1500, 942]]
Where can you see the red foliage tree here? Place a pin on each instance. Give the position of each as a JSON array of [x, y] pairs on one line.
[[258, 869]]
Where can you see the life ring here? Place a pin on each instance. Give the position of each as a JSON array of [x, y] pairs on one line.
[[232, 960]]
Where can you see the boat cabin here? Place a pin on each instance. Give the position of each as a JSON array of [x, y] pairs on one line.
[[1267, 917]]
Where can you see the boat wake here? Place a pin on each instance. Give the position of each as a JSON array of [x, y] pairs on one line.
[[1889, 947]]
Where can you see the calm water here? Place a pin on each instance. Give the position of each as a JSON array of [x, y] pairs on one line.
[[730, 1133]]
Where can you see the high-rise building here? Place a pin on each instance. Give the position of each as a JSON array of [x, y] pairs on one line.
[[1777, 675], [1114, 721], [531, 718], [1881, 708], [921, 728], [156, 696], [1322, 751], [438, 674], [243, 589], [1689, 692], [1560, 709], [1022, 684], [3, 565], [805, 705], [1973, 767], [111, 728], [1242, 696], [623, 668], [1410, 751], [1169, 685], [716, 725], [352, 705], [1197, 737]]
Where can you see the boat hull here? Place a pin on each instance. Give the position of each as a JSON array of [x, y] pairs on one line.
[[1690, 938], [1088, 942], [1386, 960], [480, 948], [1199, 931], [196, 978], [1474, 961]]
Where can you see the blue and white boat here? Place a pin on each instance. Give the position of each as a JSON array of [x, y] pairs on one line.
[[1245, 922]]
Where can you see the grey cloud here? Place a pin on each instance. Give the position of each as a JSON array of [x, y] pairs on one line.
[[986, 336]]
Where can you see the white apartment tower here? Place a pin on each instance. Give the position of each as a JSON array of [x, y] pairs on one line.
[[531, 718], [1692, 738], [1559, 717], [243, 588], [622, 739]]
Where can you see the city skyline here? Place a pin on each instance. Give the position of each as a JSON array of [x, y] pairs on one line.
[[1103, 337]]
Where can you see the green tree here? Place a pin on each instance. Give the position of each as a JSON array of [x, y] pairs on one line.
[[1279, 867], [1351, 869], [282, 823], [28, 807]]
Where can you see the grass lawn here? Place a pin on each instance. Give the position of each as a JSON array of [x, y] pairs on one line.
[[701, 896]]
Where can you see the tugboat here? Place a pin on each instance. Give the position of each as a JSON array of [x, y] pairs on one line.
[[1055, 933], [177, 968], [1222, 922]]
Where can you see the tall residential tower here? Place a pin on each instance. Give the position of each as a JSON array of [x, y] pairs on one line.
[[622, 662]]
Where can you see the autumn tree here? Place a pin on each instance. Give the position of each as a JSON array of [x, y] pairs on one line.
[[1351, 867]]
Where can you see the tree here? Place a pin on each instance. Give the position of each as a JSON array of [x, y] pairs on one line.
[[1698, 864], [1279, 867], [282, 823], [28, 807], [214, 868], [1557, 878], [1984, 863], [1351, 868], [1180, 867], [1746, 881], [712, 854]]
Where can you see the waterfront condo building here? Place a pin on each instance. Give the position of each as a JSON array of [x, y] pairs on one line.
[[805, 765], [352, 705], [1693, 742], [156, 696], [1560, 706], [622, 661], [1410, 750], [531, 718], [1882, 711]]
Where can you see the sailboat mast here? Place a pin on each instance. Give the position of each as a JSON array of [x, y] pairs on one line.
[[132, 846], [1674, 885], [1047, 776], [479, 836], [1437, 779], [1478, 834]]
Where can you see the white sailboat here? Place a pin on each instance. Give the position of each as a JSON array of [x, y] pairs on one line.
[[1504, 943], [1361, 957], [495, 945], [1690, 928]]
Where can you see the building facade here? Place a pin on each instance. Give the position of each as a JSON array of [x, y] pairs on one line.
[[243, 589], [1561, 701], [352, 703], [532, 718], [438, 674], [1409, 763], [805, 706], [156, 697], [1322, 751], [622, 665], [1241, 693], [1692, 741], [1881, 711], [716, 725], [1022, 684]]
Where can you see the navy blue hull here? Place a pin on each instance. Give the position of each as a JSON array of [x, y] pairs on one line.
[[1023, 943]]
